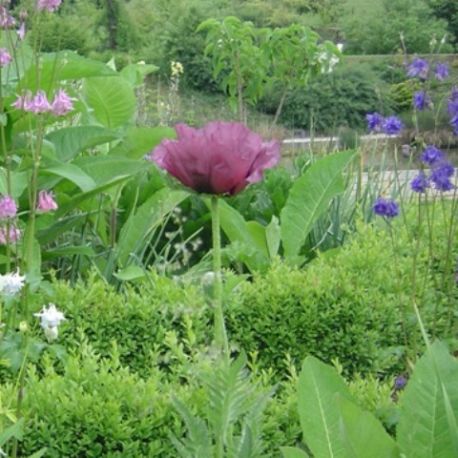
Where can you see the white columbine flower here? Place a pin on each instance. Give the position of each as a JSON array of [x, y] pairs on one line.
[[50, 319], [11, 284]]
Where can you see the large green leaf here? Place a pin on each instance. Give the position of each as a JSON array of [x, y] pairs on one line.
[[135, 73], [363, 435], [65, 65], [291, 452], [18, 183], [309, 198], [139, 141], [102, 169], [429, 407], [250, 235], [112, 100], [74, 174], [140, 224], [70, 141], [319, 414]]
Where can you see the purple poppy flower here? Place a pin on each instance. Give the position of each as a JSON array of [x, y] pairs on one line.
[[421, 100], [418, 68], [21, 31], [420, 183], [220, 158], [374, 122], [386, 207], [46, 202], [39, 104], [442, 71], [392, 125], [431, 155]]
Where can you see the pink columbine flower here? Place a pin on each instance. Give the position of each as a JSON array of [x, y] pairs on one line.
[[48, 5], [39, 104], [46, 202], [6, 20], [13, 235], [21, 31], [5, 57], [8, 207], [220, 158], [23, 102], [62, 103]]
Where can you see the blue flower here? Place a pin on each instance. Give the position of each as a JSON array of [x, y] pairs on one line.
[[374, 122], [442, 71], [432, 155], [386, 207], [392, 125], [421, 100], [400, 382], [441, 175], [420, 183], [418, 68]]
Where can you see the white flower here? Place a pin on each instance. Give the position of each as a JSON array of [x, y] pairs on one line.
[[340, 46], [11, 284], [50, 319]]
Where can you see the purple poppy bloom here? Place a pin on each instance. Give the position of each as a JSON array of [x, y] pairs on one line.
[[48, 5], [374, 122], [442, 71], [62, 103], [441, 175], [8, 207], [420, 183], [392, 125], [418, 68], [220, 158], [431, 155], [421, 100], [386, 207], [400, 382]]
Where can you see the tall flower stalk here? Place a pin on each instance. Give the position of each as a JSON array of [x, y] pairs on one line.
[[220, 327]]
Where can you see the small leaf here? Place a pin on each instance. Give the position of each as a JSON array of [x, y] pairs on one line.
[[130, 273]]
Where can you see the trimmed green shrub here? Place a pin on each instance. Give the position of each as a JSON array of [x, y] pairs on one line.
[[151, 328], [352, 304]]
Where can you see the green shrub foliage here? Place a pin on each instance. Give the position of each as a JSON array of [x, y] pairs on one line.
[[331, 100]]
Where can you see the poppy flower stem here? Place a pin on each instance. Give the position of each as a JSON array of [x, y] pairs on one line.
[[220, 328]]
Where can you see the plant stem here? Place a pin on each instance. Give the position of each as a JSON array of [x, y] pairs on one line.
[[220, 328]]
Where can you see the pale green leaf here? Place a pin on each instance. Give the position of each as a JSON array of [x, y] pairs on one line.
[[112, 100], [292, 452], [363, 435], [319, 414], [70, 141], [145, 219], [309, 198], [429, 407]]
